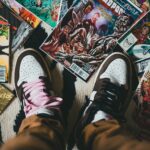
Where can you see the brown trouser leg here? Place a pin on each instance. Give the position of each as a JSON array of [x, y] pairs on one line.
[[109, 135], [38, 133]]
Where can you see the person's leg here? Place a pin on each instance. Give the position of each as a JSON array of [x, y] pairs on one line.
[[100, 128], [110, 135], [43, 127]]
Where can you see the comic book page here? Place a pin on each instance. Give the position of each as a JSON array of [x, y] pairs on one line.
[[88, 33], [137, 43], [20, 30], [30, 18], [140, 107], [4, 50], [47, 10]]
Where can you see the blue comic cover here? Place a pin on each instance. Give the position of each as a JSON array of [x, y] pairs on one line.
[[88, 33], [136, 42]]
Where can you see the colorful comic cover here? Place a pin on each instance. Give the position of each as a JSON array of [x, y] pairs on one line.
[[88, 33], [141, 105], [5, 97], [23, 12], [137, 43], [46, 10], [20, 30], [4, 50], [143, 4]]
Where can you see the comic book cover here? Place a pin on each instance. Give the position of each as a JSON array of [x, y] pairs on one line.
[[140, 106], [30, 18], [5, 97], [143, 4], [4, 50], [137, 43], [88, 33], [46, 10], [20, 30]]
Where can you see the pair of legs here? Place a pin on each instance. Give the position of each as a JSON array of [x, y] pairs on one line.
[[99, 127]]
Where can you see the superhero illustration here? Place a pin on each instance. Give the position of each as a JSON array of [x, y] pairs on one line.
[[137, 41], [141, 112], [87, 34], [142, 33], [24, 13], [46, 10]]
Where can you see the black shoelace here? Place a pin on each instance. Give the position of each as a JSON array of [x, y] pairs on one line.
[[109, 97]]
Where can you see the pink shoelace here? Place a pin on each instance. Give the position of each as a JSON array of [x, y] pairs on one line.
[[35, 97]]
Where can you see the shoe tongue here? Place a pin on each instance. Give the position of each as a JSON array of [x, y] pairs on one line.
[[35, 92], [111, 78]]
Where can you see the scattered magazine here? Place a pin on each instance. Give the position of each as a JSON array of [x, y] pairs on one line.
[[4, 50], [47, 10], [20, 30], [136, 43], [26, 15], [88, 33]]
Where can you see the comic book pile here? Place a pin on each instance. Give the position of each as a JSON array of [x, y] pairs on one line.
[[80, 37]]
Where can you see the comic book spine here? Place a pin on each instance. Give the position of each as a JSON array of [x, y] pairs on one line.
[[4, 51]]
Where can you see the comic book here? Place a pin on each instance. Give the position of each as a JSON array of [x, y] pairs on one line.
[[143, 4], [5, 97], [88, 33], [136, 42], [4, 50], [19, 29], [26, 15], [46, 10], [139, 108]]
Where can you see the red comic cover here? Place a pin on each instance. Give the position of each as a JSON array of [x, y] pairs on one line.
[[88, 33]]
